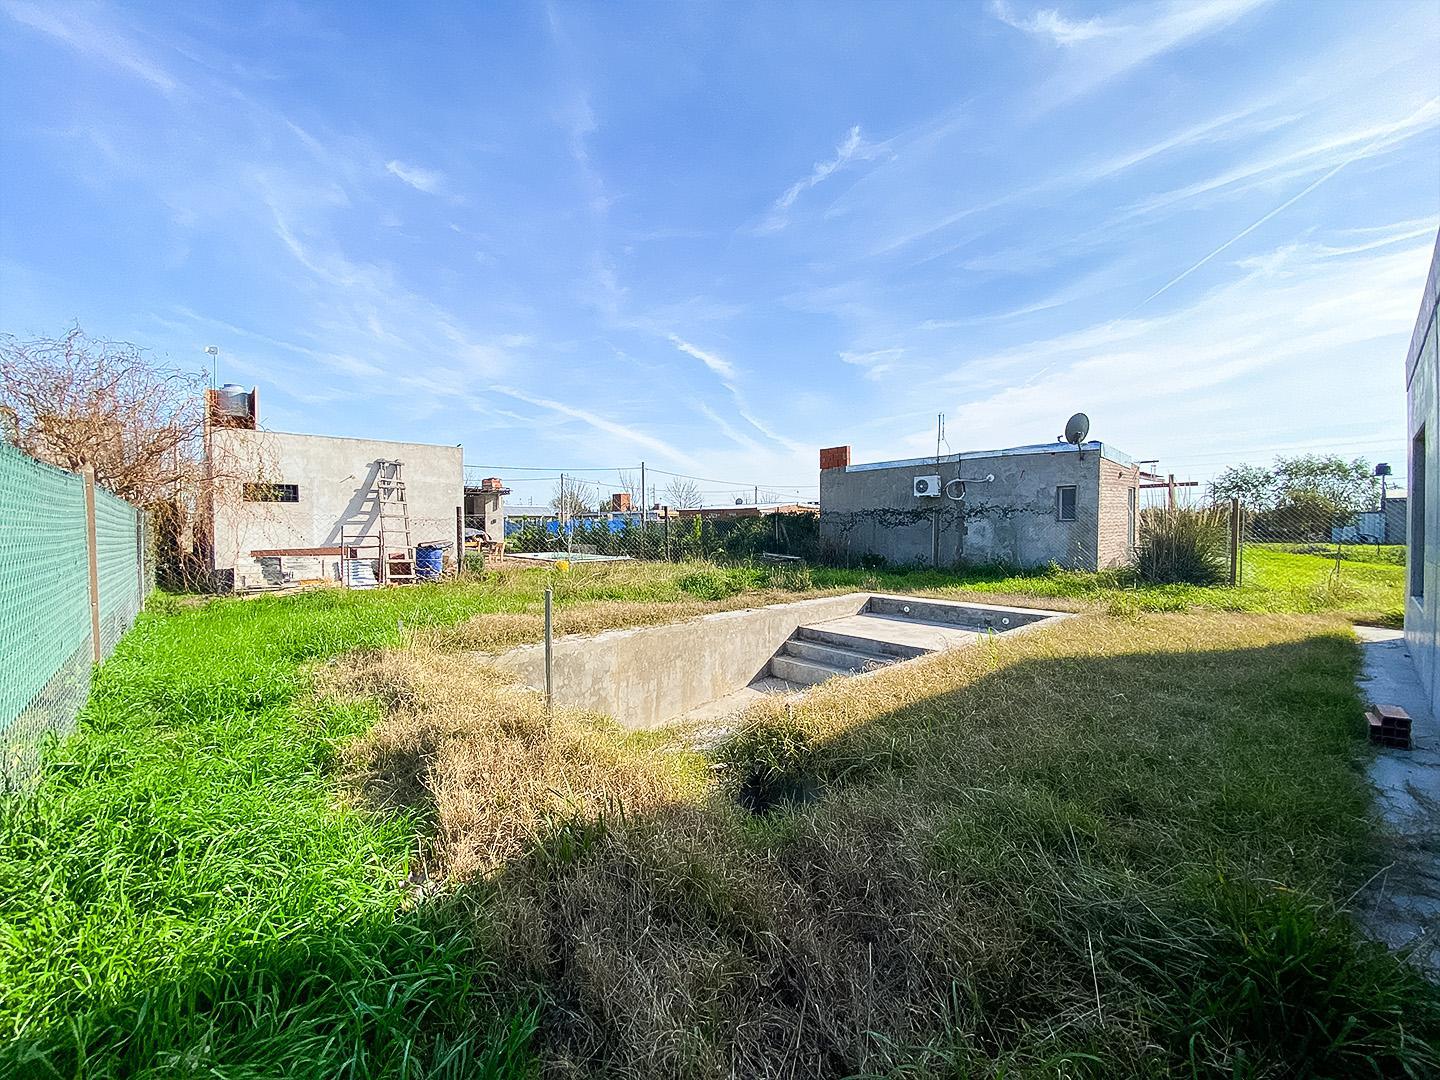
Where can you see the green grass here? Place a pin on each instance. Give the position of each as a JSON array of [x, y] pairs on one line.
[[188, 893], [1272, 581], [184, 894]]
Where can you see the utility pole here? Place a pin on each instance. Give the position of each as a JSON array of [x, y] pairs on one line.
[[644, 505]]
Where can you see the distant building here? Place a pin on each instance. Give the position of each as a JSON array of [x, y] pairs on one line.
[[485, 507], [1422, 556], [285, 507], [744, 510], [1397, 519], [1027, 506]]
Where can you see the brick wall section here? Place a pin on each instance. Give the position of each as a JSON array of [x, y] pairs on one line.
[[1114, 546]]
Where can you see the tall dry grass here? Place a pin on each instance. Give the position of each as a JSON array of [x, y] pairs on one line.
[[1070, 850]]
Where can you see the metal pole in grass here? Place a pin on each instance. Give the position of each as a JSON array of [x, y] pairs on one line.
[[549, 652], [1234, 541]]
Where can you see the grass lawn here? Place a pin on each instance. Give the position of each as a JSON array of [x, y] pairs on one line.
[[1273, 580], [1118, 847]]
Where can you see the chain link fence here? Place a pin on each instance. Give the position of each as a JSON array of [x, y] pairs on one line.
[[667, 534], [629, 513], [1310, 526], [54, 595]]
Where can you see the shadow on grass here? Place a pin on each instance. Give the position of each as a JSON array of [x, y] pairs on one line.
[[1059, 861], [1098, 865]]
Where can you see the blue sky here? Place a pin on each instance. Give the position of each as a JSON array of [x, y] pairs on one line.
[[718, 237]]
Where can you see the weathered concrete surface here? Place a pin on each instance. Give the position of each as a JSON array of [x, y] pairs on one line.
[[892, 630], [334, 476], [872, 509], [654, 675], [1402, 906], [650, 675], [1422, 553]]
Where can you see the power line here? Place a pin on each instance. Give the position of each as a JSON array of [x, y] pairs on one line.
[[730, 483], [548, 468]]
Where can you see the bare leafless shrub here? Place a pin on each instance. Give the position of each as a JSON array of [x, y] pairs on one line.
[[77, 401]]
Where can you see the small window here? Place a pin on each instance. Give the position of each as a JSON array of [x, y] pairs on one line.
[[1065, 503], [286, 493], [1417, 516], [1133, 500]]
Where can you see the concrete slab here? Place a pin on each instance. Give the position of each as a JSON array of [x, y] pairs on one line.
[[1402, 906], [898, 631], [713, 721]]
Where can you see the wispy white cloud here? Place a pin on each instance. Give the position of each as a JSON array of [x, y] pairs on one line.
[[600, 423], [729, 376], [68, 23], [852, 148], [1321, 153], [729, 430], [1224, 355], [1433, 110], [876, 363], [1049, 23], [1106, 47], [421, 179], [718, 364], [1228, 125]]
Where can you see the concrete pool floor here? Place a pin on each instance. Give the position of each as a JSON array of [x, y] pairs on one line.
[[857, 644], [1401, 907]]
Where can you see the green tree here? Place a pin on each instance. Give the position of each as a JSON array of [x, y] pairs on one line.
[[1316, 480], [1253, 485]]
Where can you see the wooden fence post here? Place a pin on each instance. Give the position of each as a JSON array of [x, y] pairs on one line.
[[89, 476], [1234, 541]]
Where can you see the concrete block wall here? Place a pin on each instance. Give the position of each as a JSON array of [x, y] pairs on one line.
[[1014, 520]]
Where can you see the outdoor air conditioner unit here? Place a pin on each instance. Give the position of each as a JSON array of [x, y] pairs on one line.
[[928, 486]]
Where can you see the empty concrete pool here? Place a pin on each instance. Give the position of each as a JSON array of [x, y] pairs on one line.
[[712, 665]]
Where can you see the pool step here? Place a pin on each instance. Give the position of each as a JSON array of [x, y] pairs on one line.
[[835, 656], [814, 654], [856, 638], [805, 672]]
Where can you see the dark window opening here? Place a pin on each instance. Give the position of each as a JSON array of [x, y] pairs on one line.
[[1132, 507], [282, 493], [1065, 503], [1416, 552]]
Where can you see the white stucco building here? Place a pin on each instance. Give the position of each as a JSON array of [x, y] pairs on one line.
[[1422, 559], [285, 503]]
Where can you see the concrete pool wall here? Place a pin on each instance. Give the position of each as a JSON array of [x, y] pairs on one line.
[[648, 676], [645, 676]]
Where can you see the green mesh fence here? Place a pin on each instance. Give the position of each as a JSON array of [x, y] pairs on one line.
[[45, 618]]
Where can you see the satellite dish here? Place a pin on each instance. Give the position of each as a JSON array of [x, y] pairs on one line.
[[1076, 428]]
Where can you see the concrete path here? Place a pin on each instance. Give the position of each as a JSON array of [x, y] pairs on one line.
[[1402, 906]]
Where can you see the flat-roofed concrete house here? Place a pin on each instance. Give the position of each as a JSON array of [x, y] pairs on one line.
[[1422, 551], [1026, 506], [288, 507]]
